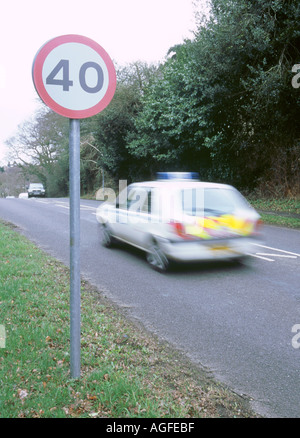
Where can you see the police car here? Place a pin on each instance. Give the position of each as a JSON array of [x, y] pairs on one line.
[[180, 218]]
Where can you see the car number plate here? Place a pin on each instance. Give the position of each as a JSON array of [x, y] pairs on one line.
[[220, 248]]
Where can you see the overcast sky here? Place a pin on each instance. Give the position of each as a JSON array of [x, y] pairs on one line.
[[129, 30]]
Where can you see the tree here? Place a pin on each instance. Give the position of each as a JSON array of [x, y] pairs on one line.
[[224, 101], [250, 48], [40, 148], [104, 145], [174, 128]]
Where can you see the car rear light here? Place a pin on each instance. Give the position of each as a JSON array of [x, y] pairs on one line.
[[258, 226], [179, 229]]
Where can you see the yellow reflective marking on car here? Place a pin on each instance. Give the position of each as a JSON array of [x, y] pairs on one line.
[[205, 226]]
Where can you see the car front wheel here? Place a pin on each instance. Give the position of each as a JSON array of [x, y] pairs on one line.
[[156, 258], [106, 237]]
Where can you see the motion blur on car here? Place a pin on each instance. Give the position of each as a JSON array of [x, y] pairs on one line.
[[180, 218]]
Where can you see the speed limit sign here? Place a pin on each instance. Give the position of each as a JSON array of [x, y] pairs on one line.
[[74, 76]]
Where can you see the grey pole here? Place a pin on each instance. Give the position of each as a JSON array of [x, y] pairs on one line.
[[74, 180]]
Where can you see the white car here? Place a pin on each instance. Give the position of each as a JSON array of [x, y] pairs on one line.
[[182, 219]]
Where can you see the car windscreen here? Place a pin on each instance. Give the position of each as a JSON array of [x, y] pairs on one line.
[[211, 201], [36, 186]]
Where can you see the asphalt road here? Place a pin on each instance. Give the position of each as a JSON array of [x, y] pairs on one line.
[[236, 321]]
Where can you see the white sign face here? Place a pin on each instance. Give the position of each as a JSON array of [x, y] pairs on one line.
[[74, 76]]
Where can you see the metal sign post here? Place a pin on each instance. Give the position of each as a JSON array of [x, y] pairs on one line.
[[76, 78], [75, 295]]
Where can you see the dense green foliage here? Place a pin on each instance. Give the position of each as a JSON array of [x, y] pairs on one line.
[[222, 104]]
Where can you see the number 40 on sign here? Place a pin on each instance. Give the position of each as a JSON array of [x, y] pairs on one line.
[[74, 76]]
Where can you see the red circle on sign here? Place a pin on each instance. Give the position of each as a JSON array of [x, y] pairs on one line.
[[37, 75]]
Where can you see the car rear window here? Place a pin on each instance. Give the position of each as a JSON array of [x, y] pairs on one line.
[[199, 201]]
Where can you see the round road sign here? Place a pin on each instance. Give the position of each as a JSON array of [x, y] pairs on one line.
[[74, 76]]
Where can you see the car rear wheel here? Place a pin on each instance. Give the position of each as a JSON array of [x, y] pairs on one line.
[[157, 259]]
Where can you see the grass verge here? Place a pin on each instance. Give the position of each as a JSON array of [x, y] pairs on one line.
[[282, 212], [125, 371], [278, 220]]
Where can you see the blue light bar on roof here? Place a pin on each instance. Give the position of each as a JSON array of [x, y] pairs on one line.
[[177, 175]]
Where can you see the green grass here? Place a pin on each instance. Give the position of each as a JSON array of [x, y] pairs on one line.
[[281, 212], [282, 205], [279, 220], [125, 371]]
